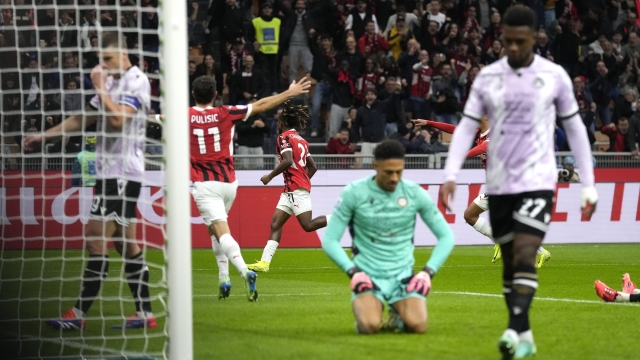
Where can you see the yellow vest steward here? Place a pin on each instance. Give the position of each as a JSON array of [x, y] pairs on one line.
[[267, 34]]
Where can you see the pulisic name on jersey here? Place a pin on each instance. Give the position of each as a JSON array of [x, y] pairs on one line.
[[204, 119]]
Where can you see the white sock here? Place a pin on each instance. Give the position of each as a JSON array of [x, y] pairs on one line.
[[483, 227], [232, 250], [221, 259], [636, 291], [512, 334], [540, 250], [144, 314], [526, 336], [269, 250], [622, 297], [79, 313]]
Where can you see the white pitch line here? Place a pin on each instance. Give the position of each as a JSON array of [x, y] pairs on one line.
[[260, 295]]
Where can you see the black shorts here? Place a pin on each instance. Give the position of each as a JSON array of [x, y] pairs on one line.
[[115, 199], [528, 212]]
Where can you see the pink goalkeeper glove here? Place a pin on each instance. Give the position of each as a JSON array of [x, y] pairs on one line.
[[360, 282], [420, 282]]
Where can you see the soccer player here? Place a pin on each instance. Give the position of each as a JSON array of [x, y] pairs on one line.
[[120, 109], [381, 213], [297, 167], [629, 291], [213, 174], [522, 94], [481, 203]]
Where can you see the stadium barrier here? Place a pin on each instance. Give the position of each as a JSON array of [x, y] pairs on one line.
[[30, 201]]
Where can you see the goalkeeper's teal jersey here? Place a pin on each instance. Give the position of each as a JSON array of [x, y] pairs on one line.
[[382, 224]]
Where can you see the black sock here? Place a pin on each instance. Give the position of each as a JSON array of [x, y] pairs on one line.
[[94, 273], [525, 283], [138, 279], [634, 298], [507, 272]]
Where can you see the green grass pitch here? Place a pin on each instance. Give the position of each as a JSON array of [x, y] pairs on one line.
[[304, 312]]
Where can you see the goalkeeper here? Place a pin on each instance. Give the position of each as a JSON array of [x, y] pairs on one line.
[[381, 214]]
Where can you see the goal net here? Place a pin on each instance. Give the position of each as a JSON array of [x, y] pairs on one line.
[[48, 193]]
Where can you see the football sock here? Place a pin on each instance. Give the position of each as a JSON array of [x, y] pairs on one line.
[[79, 313], [636, 291], [232, 250], [506, 291], [526, 336], [221, 259], [540, 250], [138, 278], [483, 227], [634, 298], [94, 273], [525, 283], [269, 250]]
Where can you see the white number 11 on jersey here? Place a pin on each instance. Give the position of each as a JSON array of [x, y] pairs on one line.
[[216, 139]]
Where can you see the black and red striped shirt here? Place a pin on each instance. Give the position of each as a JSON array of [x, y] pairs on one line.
[[211, 136], [295, 177]]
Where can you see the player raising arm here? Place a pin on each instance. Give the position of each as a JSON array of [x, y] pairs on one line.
[[481, 203], [297, 167], [381, 213], [213, 173], [522, 94]]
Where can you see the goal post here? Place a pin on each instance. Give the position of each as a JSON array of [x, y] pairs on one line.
[[175, 100]]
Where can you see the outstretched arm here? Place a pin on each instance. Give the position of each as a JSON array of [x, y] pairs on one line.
[[478, 150], [71, 124], [448, 128], [268, 103]]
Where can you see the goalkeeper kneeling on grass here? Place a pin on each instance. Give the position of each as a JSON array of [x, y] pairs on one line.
[[381, 213]]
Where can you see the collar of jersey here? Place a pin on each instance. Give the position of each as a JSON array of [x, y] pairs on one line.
[[522, 69], [201, 109]]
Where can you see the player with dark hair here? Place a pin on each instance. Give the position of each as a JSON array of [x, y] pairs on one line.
[[380, 212], [123, 101], [297, 167], [481, 203], [522, 94], [629, 291], [213, 173]]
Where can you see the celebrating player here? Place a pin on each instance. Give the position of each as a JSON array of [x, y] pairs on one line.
[[381, 213], [297, 167], [123, 100], [522, 94], [481, 203], [629, 291], [213, 174]]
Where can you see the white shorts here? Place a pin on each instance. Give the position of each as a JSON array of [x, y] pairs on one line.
[[296, 202], [482, 201], [214, 199]]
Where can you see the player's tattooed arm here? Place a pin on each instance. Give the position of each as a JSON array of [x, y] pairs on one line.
[[287, 161], [311, 167]]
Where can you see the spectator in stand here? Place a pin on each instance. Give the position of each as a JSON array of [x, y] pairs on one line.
[[396, 116], [494, 32], [434, 14], [343, 86], [251, 135], [193, 74], [494, 53], [371, 42], [582, 94], [471, 23], [234, 59], [542, 46], [398, 37], [150, 40], [370, 123], [368, 80], [595, 25], [339, 144], [67, 32], [246, 84], [265, 36], [415, 142], [358, 19], [353, 56], [31, 82], [485, 8], [296, 32], [421, 87], [72, 98], [209, 68], [322, 13], [89, 25], [460, 57], [229, 16], [24, 19], [383, 10], [567, 45], [412, 22], [632, 49], [601, 88], [607, 56], [407, 59], [466, 80], [445, 103], [324, 59], [431, 38], [618, 136], [625, 105], [46, 18], [629, 26], [348, 122], [616, 43], [452, 38]]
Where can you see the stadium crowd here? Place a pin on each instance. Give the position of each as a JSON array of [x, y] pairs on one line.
[[374, 64]]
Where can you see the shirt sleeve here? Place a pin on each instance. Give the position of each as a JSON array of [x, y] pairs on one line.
[[474, 108], [340, 219], [566, 104], [239, 112], [434, 219]]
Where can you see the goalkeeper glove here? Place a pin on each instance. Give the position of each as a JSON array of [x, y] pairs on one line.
[[360, 282], [421, 282]]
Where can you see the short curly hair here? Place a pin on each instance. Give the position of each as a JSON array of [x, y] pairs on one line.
[[389, 149]]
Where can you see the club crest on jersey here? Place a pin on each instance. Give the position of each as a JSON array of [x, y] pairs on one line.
[[402, 202], [538, 83]]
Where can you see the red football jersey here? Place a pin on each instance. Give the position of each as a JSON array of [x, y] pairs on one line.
[[295, 177], [480, 139], [211, 137]]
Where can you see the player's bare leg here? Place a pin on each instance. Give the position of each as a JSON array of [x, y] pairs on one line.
[[413, 313], [277, 222], [368, 312], [520, 294], [230, 247], [308, 224]]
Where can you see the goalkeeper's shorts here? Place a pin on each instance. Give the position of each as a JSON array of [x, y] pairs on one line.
[[391, 289], [115, 199]]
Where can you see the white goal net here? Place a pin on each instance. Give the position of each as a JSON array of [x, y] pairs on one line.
[[61, 294]]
